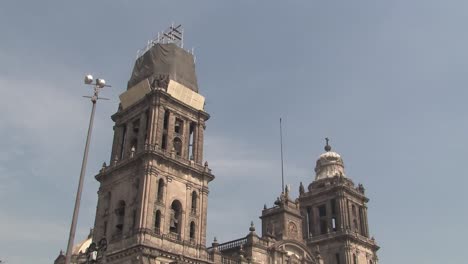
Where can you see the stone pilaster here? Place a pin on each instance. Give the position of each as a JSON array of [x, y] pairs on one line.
[[170, 132], [201, 132]]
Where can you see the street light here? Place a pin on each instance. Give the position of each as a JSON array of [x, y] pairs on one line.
[[98, 84]]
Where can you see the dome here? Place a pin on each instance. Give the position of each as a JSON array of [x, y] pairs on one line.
[[329, 164], [81, 247]]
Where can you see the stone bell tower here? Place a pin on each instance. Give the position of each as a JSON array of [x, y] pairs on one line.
[[336, 214], [152, 200]]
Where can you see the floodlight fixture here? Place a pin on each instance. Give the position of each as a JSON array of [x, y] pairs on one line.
[[100, 83], [88, 79]]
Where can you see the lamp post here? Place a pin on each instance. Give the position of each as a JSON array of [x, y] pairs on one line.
[[98, 84]]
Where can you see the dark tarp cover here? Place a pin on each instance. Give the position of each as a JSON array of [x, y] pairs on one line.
[[165, 60]]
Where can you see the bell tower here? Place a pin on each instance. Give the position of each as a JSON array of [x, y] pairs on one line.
[[335, 214], [152, 200]]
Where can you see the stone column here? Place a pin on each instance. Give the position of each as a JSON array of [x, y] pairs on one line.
[[141, 133], [347, 255], [128, 141], [144, 200], [170, 133], [203, 214], [185, 139], [364, 218], [195, 143], [158, 125], [188, 191], [329, 216], [116, 145], [150, 129], [343, 212], [199, 143]]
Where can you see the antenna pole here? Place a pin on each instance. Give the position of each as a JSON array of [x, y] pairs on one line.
[[282, 170]]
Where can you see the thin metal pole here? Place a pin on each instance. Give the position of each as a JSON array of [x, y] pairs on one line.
[[80, 183], [282, 171]]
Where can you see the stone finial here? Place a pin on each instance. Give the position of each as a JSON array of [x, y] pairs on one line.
[[132, 151], [327, 146], [206, 164], [215, 243], [301, 189], [361, 188], [104, 165], [252, 227], [264, 207], [116, 159]]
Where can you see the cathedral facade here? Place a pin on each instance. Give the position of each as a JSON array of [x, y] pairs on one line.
[[153, 195]]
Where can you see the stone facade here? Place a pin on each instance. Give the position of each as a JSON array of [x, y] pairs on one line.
[[153, 199]]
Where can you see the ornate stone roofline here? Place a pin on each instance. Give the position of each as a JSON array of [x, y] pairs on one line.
[[343, 235], [151, 97], [334, 185], [151, 252], [149, 151]]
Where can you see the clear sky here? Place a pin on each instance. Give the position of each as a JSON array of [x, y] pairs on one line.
[[385, 80]]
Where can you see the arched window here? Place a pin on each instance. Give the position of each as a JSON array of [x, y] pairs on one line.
[[354, 259], [120, 213], [157, 222], [176, 217], [192, 230], [194, 201], [353, 209], [160, 193]]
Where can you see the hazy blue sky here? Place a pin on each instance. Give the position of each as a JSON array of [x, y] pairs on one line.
[[385, 80]]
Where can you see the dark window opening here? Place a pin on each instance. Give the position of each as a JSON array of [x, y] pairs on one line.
[[134, 216], [337, 257], [353, 210], [107, 202], [322, 210], [157, 221], [136, 126], [176, 212], [194, 202], [323, 226], [354, 259], [333, 206], [355, 225], [192, 230], [166, 119], [120, 213], [164, 141], [104, 231], [160, 194], [178, 146]]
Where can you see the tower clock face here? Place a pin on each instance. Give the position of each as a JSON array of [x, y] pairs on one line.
[[292, 229]]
